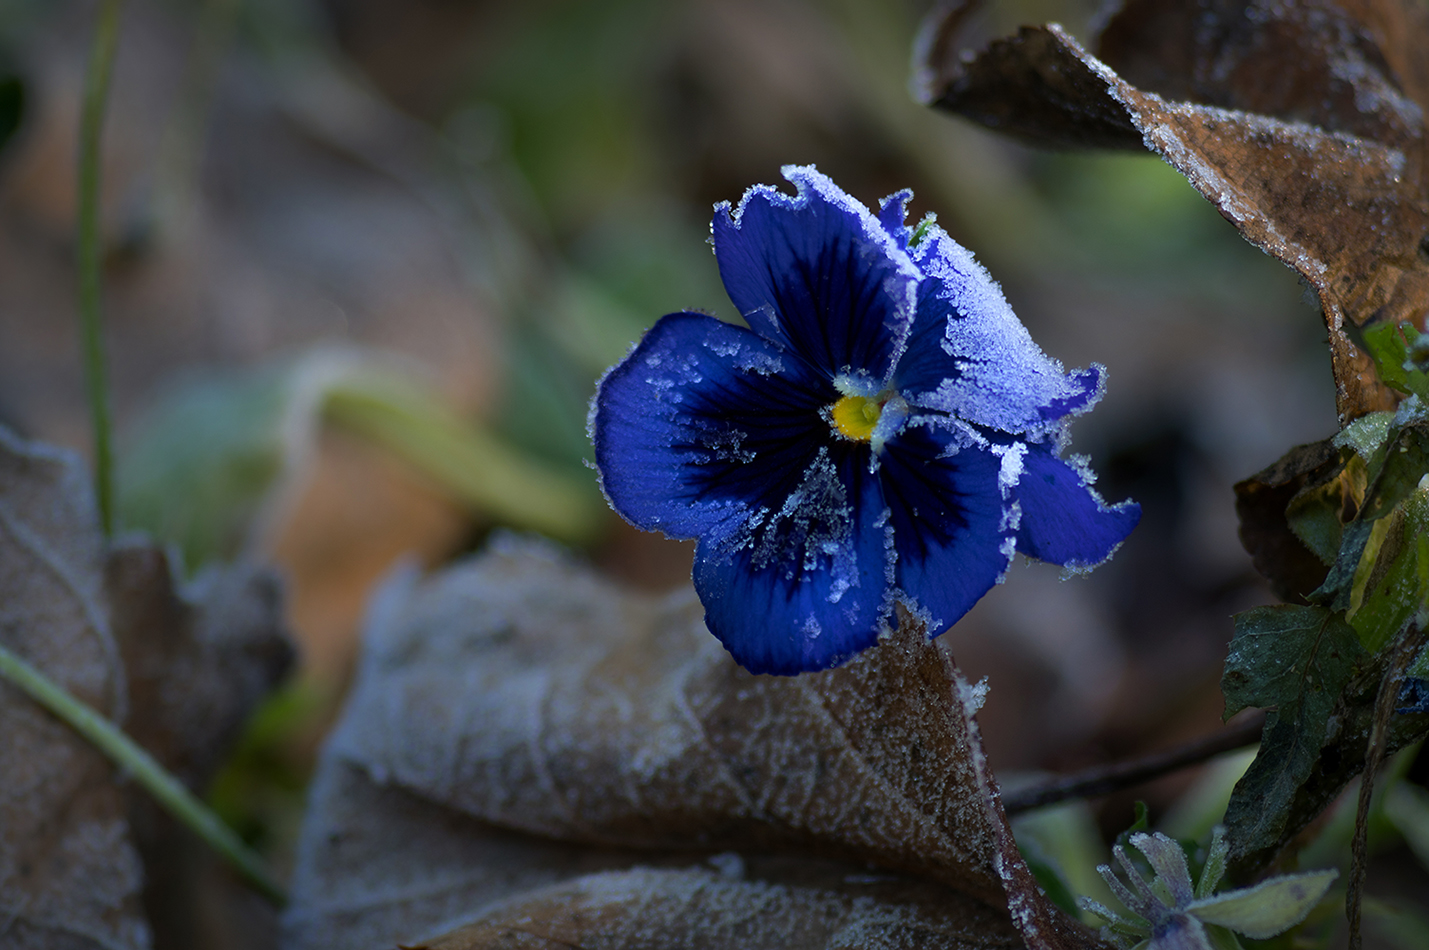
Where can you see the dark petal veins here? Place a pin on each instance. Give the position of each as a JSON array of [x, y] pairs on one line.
[[947, 515], [968, 355], [1063, 519], [703, 423], [819, 274], [805, 587]]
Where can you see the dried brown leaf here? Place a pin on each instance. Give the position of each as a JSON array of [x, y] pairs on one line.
[[523, 691], [707, 910], [1260, 503], [199, 657], [378, 865], [1302, 122], [69, 875]]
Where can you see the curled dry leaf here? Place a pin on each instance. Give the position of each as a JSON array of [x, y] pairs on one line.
[[69, 874], [527, 693], [1261, 502], [1304, 123]]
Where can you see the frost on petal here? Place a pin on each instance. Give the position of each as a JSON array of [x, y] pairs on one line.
[[969, 355], [1064, 521], [701, 422], [819, 274], [949, 522], [893, 212], [801, 587]]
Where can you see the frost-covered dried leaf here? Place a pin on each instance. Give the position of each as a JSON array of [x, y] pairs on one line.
[[524, 691], [1302, 122], [69, 875], [199, 657], [378, 865], [649, 909]]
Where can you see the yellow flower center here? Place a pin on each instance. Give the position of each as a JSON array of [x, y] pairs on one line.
[[855, 417]]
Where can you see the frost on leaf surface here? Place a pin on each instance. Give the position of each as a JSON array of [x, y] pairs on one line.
[[1303, 123], [842, 456], [519, 695], [69, 872]]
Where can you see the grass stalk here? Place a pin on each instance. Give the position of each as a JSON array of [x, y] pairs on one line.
[[90, 252], [151, 776]]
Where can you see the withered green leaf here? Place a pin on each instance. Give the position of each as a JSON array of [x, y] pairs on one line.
[[526, 693], [1302, 122]]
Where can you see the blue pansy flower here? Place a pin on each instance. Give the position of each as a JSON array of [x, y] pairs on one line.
[[884, 431]]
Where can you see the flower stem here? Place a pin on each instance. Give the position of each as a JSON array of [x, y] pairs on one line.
[[91, 124], [153, 777]]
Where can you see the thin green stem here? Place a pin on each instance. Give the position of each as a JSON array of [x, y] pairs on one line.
[[127, 754], [91, 125]]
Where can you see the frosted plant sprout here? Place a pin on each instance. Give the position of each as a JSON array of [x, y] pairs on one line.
[[884, 432], [1170, 912]]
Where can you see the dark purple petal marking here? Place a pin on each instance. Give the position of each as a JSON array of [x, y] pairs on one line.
[[818, 274], [1063, 520], [803, 587], [969, 356], [702, 422], [947, 513]]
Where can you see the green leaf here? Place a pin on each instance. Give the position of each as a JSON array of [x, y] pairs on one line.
[[1299, 661], [1366, 435], [1394, 474], [1287, 655], [1314, 516], [1269, 908], [1390, 588], [1406, 463], [1215, 867], [1388, 346]]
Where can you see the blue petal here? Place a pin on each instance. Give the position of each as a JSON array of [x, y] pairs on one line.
[[818, 274], [804, 586], [968, 355], [892, 212], [703, 422], [1413, 696], [1063, 520], [948, 515]]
